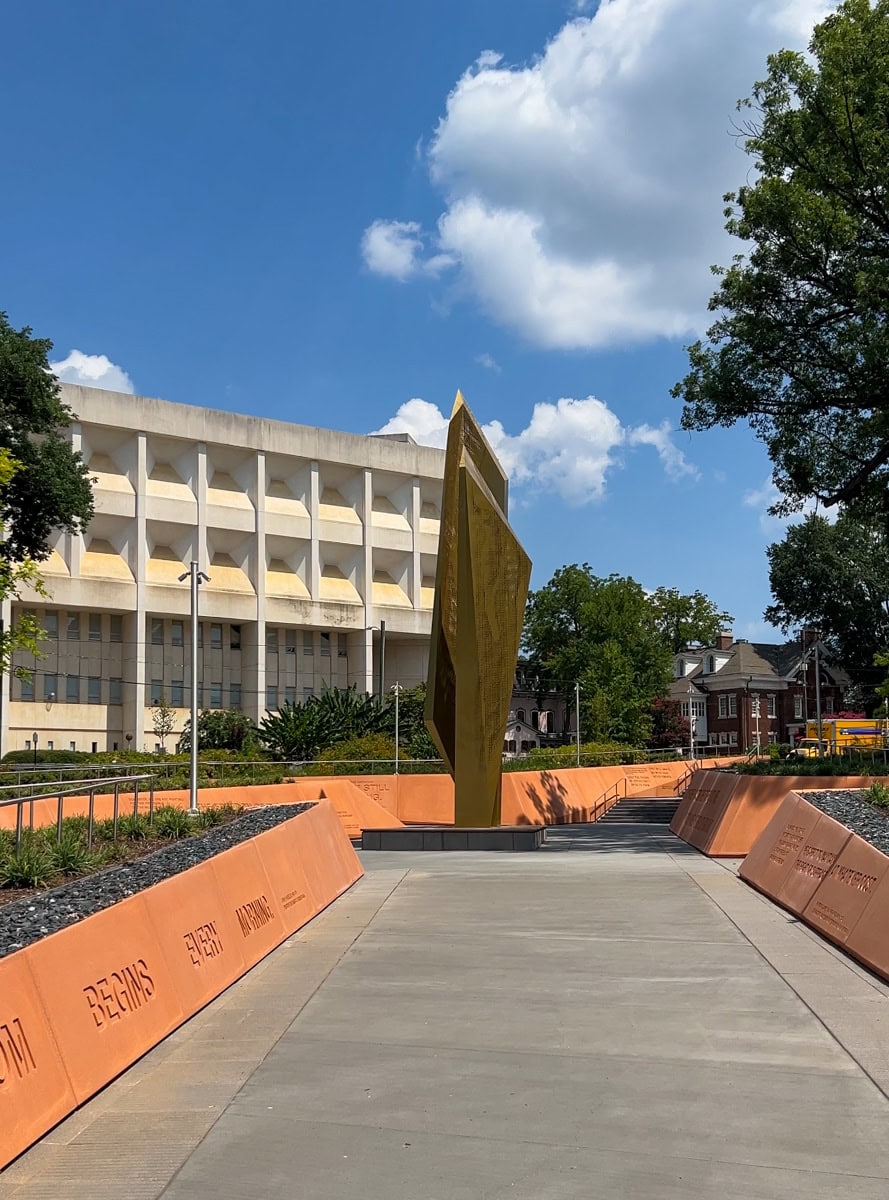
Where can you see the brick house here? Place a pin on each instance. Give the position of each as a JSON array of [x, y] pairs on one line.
[[723, 685]]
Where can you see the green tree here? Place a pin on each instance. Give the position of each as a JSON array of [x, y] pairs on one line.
[[684, 620], [163, 720], [835, 578], [603, 633], [51, 488], [15, 577], [800, 345], [221, 729]]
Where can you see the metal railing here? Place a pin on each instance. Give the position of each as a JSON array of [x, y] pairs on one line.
[[120, 786]]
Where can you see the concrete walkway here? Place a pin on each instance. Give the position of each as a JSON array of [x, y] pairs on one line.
[[613, 1016]]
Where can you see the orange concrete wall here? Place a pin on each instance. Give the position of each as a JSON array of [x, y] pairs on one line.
[[827, 876], [722, 814], [80, 1006]]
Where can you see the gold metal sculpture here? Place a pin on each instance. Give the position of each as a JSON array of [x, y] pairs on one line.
[[481, 584]]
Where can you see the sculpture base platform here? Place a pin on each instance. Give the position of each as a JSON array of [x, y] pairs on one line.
[[419, 837]]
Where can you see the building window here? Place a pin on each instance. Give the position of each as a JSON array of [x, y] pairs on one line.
[[520, 714], [177, 633], [50, 745], [271, 641], [157, 632], [157, 690], [27, 743], [94, 689], [723, 739], [290, 641], [234, 637], [177, 690], [828, 704], [95, 634], [216, 695], [342, 646], [526, 746], [116, 634], [733, 738], [510, 746], [72, 689], [308, 642], [234, 695], [723, 707], [711, 665], [72, 746], [115, 691], [73, 627], [325, 645], [51, 624], [27, 692], [797, 706], [95, 747], [215, 637], [308, 693], [50, 687], [535, 718], [772, 705], [290, 695], [271, 697]]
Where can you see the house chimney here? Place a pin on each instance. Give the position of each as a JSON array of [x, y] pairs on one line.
[[810, 637], [724, 640]]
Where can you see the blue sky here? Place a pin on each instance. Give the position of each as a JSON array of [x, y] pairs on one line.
[[338, 214]]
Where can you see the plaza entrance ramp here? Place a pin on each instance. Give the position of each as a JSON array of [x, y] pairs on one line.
[[612, 1016]]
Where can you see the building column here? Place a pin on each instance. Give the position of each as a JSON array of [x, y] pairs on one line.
[[416, 580], [315, 549]]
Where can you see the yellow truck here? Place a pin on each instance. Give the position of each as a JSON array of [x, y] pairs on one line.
[[841, 733]]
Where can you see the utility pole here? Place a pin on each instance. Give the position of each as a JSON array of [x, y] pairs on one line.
[[197, 577], [818, 694], [382, 682]]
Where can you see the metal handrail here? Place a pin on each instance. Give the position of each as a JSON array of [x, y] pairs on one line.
[[75, 790]]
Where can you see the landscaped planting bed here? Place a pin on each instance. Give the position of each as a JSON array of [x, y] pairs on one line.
[[860, 810], [111, 871]]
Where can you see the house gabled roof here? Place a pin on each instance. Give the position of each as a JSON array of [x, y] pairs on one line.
[[781, 660]]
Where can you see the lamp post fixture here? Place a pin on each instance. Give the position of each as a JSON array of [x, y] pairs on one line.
[[34, 743], [197, 577], [691, 722], [396, 688], [577, 719]]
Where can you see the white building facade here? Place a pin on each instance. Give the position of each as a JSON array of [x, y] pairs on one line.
[[312, 540]]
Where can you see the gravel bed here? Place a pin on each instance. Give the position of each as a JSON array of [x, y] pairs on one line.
[[36, 916], [852, 810]]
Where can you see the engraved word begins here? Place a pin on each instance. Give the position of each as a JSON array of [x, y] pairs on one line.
[[253, 915], [859, 880], [16, 1056], [203, 943], [121, 992]]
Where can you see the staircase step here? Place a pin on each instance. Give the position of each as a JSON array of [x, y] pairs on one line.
[[642, 810]]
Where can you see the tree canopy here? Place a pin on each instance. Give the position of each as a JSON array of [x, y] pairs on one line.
[[685, 620], [801, 341], [835, 578], [603, 633], [50, 488]]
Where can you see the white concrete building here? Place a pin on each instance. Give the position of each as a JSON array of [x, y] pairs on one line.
[[310, 538]]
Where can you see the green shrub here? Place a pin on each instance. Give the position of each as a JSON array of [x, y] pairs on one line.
[[133, 827], [369, 755], [31, 865], [103, 831], [878, 794], [71, 855], [172, 823]]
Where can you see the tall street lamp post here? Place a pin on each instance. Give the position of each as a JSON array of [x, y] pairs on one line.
[[197, 577]]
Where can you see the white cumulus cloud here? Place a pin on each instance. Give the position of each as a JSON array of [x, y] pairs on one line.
[[92, 370], [763, 498], [488, 361], [567, 448], [397, 249], [583, 190]]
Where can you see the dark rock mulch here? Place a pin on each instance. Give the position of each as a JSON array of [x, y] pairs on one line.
[[852, 810], [36, 916]]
